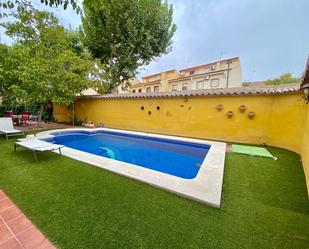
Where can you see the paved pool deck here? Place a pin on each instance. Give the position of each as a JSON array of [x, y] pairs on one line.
[[206, 187], [16, 230], [33, 126]]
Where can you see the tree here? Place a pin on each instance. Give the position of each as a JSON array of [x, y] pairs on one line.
[[10, 4], [45, 64], [3, 55], [286, 78], [126, 35]]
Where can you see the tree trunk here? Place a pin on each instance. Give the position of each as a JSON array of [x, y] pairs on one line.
[[41, 109]]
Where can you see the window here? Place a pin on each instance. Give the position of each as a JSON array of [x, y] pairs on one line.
[[148, 89], [184, 86], [214, 83], [174, 88], [156, 89], [133, 91], [200, 84], [140, 90], [191, 72]]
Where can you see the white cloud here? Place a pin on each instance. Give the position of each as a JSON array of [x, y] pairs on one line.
[[271, 37]]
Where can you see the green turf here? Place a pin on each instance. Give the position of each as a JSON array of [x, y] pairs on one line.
[[265, 204], [251, 150]]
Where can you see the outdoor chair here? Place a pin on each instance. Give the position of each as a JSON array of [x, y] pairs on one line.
[[8, 114], [25, 118], [7, 128]]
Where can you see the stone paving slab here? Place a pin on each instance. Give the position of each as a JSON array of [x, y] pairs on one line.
[[33, 126], [16, 230]]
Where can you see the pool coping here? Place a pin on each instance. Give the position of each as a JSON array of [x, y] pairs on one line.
[[206, 187]]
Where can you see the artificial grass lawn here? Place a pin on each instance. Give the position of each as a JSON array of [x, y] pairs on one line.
[[265, 204]]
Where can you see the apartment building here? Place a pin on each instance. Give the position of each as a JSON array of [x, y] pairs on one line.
[[154, 83], [219, 74]]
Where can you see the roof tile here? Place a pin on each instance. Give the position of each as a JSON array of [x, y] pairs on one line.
[[264, 90]]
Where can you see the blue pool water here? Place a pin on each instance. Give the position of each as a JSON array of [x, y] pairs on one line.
[[176, 158]]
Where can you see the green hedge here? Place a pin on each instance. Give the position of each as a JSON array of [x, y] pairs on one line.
[[18, 109]]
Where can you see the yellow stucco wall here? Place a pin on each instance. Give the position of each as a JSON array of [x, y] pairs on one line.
[[61, 113], [287, 122], [305, 150], [280, 120]]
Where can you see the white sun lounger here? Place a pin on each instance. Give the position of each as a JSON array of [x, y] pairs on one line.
[[38, 146], [7, 128]]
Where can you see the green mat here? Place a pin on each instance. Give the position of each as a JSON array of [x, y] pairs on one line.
[[251, 150]]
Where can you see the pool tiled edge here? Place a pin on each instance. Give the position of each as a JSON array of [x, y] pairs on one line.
[[206, 187]]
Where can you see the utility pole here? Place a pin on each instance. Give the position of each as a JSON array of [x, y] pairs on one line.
[[228, 72]]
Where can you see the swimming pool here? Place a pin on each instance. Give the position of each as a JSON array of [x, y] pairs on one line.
[[191, 168], [178, 158]]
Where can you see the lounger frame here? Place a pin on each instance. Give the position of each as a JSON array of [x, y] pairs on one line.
[[36, 150], [7, 135], [7, 128]]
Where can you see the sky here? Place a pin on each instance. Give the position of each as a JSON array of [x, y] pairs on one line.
[[271, 37]]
